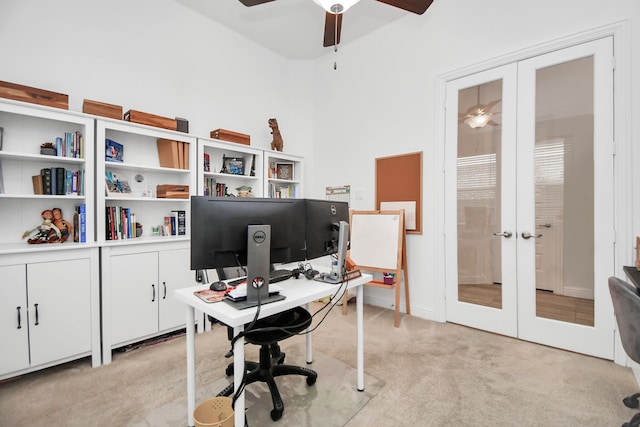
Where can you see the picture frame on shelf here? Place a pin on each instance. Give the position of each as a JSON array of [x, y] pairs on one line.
[[114, 186], [113, 151], [284, 171], [233, 165]]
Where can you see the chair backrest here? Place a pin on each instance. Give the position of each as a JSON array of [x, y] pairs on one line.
[[626, 306]]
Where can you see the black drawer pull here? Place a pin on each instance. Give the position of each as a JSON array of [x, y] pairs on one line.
[[19, 318], [37, 315]]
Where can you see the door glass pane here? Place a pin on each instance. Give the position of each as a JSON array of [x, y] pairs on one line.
[[564, 202], [478, 186]]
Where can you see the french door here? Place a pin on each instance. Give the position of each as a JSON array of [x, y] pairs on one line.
[[529, 199]]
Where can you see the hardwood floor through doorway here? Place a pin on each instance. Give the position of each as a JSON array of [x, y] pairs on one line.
[[548, 304]]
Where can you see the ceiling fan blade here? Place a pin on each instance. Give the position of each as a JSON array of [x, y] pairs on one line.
[[330, 30], [249, 3], [490, 105], [414, 6]]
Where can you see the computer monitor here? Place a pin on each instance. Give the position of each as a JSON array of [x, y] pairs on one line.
[[322, 226], [251, 232], [327, 233]]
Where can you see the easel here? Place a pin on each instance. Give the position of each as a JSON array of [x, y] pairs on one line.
[[378, 243]]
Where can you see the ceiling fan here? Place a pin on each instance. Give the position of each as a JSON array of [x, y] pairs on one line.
[[335, 9], [479, 115]]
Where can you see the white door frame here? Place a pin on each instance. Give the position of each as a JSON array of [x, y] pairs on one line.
[[623, 163]]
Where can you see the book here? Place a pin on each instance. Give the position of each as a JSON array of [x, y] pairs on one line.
[[114, 151], [46, 180], [53, 183], [81, 210], [174, 223], [181, 222], [37, 184], [60, 181], [168, 153], [207, 162]]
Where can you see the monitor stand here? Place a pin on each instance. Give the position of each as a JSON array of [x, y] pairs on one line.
[[258, 267], [343, 241]]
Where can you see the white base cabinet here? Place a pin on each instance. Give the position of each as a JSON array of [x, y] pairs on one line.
[[137, 291], [49, 307]]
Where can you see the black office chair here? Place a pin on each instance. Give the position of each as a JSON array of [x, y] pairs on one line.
[[267, 333], [626, 306]]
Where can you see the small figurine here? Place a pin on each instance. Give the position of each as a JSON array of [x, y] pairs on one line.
[[65, 227], [277, 144], [47, 231]]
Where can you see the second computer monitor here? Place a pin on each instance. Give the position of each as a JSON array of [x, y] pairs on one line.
[[322, 226]]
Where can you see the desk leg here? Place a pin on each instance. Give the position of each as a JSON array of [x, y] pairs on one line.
[[191, 366], [360, 336], [238, 373], [309, 341]]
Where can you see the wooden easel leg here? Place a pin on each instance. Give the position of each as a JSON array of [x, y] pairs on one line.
[[396, 321], [407, 305]]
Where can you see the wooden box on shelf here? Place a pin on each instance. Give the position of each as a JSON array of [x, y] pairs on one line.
[[140, 117], [34, 95], [231, 136], [172, 191], [102, 109]]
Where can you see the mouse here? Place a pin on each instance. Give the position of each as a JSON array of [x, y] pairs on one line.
[[218, 286]]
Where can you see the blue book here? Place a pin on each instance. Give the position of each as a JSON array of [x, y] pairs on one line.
[[82, 222]]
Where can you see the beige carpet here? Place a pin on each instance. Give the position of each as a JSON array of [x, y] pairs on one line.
[[434, 374], [332, 401]]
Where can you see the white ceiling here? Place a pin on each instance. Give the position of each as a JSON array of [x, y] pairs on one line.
[[294, 28]]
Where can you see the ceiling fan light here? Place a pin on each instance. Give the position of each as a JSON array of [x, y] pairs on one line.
[[336, 6], [478, 120]]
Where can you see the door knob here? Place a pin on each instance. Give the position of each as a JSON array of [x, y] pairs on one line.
[[506, 234], [526, 235]]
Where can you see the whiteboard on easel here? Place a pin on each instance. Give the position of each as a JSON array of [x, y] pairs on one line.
[[376, 238]]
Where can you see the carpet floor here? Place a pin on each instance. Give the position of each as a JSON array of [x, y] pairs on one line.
[[423, 373]]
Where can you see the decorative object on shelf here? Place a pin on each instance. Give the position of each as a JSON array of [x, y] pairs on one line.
[[207, 162], [114, 151], [253, 166], [115, 186], [173, 154], [148, 119], [38, 186], [34, 95], [231, 136], [48, 149], [284, 171], [65, 227], [244, 191], [232, 165], [47, 231], [183, 125], [172, 191], [102, 109], [277, 143]]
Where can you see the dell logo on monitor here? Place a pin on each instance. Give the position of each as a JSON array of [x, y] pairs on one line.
[[333, 209], [259, 237]]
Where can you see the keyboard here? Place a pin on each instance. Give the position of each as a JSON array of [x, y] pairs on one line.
[[276, 276]]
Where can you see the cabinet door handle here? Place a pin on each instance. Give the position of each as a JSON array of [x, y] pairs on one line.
[[153, 298], [37, 315], [164, 285], [19, 318]]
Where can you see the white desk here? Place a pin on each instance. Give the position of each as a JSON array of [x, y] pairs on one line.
[[298, 292]]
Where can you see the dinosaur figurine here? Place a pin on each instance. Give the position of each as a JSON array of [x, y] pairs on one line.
[[277, 144]]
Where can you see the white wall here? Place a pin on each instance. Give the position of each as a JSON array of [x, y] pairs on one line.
[[382, 100], [160, 57]]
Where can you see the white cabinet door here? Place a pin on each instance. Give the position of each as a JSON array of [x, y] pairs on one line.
[[134, 296], [175, 273], [14, 325], [59, 309]]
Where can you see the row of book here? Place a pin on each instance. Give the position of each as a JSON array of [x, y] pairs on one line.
[[281, 191], [213, 188], [59, 181], [175, 224], [120, 223], [72, 145]]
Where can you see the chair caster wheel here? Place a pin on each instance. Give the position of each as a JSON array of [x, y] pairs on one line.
[[631, 402], [276, 415], [229, 371], [311, 380]]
